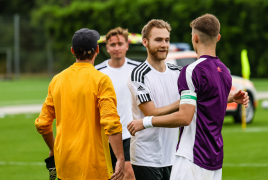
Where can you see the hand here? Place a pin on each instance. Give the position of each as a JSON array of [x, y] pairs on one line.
[[119, 170], [241, 97], [134, 126], [51, 153]]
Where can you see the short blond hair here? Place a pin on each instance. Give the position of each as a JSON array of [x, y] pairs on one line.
[[116, 32], [154, 23]]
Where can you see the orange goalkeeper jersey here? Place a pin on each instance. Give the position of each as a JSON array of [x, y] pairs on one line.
[[83, 101]]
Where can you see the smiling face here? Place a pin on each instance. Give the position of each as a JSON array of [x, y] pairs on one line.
[[158, 43], [117, 47]]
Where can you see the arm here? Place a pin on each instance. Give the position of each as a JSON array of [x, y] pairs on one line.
[[117, 146], [49, 139], [110, 121], [241, 97], [44, 122], [149, 109], [178, 119]]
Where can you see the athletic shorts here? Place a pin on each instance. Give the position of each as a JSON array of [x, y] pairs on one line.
[[184, 169], [151, 173], [126, 146]]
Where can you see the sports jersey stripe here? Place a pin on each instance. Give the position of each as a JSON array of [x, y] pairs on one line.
[[189, 72], [132, 64], [140, 72], [139, 98], [135, 71], [102, 68], [144, 73], [148, 96]]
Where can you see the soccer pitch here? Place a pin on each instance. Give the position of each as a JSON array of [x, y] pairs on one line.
[[22, 149]]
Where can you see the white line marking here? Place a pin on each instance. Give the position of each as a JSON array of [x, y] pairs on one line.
[[23, 163], [248, 130], [245, 165], [16, 102]]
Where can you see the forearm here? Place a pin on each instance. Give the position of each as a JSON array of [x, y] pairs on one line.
[[230, 98], [49, 139], [117, 145], [177, 119], [149, 109]]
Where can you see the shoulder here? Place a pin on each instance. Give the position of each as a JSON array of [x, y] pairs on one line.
[[133, 63], [102, 65], [138, 73], [174, 67]]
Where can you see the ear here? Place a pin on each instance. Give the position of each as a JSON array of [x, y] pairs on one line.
[[72, 50], [196, 38], [145, 42], [127, 45], [97, 49], [219, 37]]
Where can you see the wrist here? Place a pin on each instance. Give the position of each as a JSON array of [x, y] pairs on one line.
[[147, 122]]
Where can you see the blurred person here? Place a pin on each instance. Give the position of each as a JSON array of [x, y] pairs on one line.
[[204, 87], [83, 101], [118, 68], [153, 86]]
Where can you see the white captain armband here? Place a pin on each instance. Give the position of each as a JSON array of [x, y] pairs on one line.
[[188, 97], [147, 122]]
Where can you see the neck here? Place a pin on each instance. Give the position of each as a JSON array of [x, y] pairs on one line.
[[206, 50], [117, 63], [86, 61], [156, 64]]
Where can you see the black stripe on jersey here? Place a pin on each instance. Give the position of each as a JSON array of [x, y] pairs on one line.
[[135, 70], [139, 98], [102, 68], [148, 97], [144, 98], [144, 73], [132, 64], [174, 67], [139, 73]]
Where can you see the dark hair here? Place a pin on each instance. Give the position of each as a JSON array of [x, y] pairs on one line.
[[154, 23], [116, 32], [81, 54], [207, 24]]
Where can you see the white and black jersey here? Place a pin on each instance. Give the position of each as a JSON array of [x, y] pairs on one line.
[[119, 78], [154, 147]]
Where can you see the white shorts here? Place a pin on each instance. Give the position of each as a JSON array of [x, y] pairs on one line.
[[184, 169]]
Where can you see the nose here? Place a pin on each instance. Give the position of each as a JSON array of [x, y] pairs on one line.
[[116, 47], [164, 43]]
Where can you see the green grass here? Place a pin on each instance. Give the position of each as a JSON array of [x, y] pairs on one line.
[[20, 142], [25, 91], [260, 84]]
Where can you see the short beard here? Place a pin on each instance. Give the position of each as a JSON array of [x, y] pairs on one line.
[[154, 52]]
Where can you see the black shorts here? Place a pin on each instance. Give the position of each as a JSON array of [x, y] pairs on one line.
[[152, 173], [126, 146]]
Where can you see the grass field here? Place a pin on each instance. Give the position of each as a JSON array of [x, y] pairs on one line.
[[22, 149]]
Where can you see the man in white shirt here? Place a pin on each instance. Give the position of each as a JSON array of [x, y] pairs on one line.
[[118, 69], [154, 90]]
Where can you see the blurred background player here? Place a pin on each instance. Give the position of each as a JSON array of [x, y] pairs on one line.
[[204, 87], [118, 69], [83, 101], [154, 90]]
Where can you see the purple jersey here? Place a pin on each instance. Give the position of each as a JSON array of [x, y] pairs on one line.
[[201, 141]]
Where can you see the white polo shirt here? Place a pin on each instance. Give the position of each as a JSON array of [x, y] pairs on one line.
[[119, 78]]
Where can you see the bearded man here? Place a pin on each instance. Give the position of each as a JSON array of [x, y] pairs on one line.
[[154, 91]]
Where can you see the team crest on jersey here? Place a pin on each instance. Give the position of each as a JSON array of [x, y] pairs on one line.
[[219, 69]]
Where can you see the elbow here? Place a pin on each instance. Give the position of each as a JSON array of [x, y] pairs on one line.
[[187, 120]]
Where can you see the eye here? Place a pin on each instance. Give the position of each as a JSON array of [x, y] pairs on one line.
[[112, 45]]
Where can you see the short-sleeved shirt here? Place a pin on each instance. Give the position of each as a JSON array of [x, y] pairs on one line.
[[83, 101], [119, 78], [156, 146], [201, 142]]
